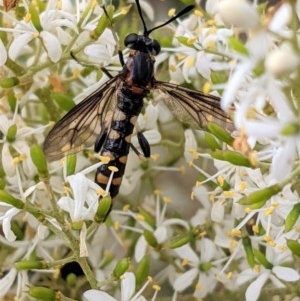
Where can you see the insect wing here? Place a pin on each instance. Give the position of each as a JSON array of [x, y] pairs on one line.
[[193, 107], [80, 127]]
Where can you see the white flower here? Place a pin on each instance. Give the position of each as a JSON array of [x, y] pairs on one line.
[[51, 35], [275, 274], [206, 281], [85, 200], [127, 291]]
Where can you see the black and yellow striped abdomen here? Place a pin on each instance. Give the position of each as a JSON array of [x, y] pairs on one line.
[[118, 138]]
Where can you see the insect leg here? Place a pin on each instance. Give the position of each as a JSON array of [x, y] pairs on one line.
[[121, 58], [144, 144]]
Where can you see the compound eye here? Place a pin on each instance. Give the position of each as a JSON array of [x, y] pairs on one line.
[[130, 40], [155, 47]]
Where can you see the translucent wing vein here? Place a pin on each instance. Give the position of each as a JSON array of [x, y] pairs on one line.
[[80, 127], [189, 106]]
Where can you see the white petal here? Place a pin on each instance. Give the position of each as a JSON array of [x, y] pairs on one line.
[[186, 252], [140, 248], [281, 18], [245, 276], [185, 280], [127, 286], [92, 295], [161, 234], [217, 212], [6, 224], [207, 250], [254, 289], [153, 136], [283, 160], [7, 281], [52, 45], [286, 274], [79, 185], [19, 44], [265, 128], [7, 161], [234, 83], [3, 54], [66, 204], [83, 248]]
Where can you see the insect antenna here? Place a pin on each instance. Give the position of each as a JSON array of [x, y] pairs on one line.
[[141, 16], [147, 32], [181, 13]]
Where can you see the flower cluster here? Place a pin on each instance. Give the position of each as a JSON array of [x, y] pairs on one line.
[[213, 211]]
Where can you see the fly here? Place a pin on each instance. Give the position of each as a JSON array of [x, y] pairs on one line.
[[107, 117]]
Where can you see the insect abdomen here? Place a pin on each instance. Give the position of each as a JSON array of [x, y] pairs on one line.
[[117, 143]]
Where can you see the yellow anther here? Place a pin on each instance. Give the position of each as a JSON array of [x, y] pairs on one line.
[[243, 186], [113, 168], [126, 208], [27, 18], [271, 242], [192, 195], [184, 262], [257, 268], [58, 4], [157, 192], [220, 180], [101, 192], [166, 200], [198, 13], [269, 211], [180, 57], [172, 68], [156, 287], [211, 197], [255, 229], [191, 41], [248, 210], [171, 12], [116, 225], [150, 279], [140, 217], [190, 62], [76, 73], [228, 193], [155, 157], [234, 232], [104, 159], [182, 169], [206, 87], [229, 275], [198, 286], [211, 22], [66, 189], [233, 244]]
